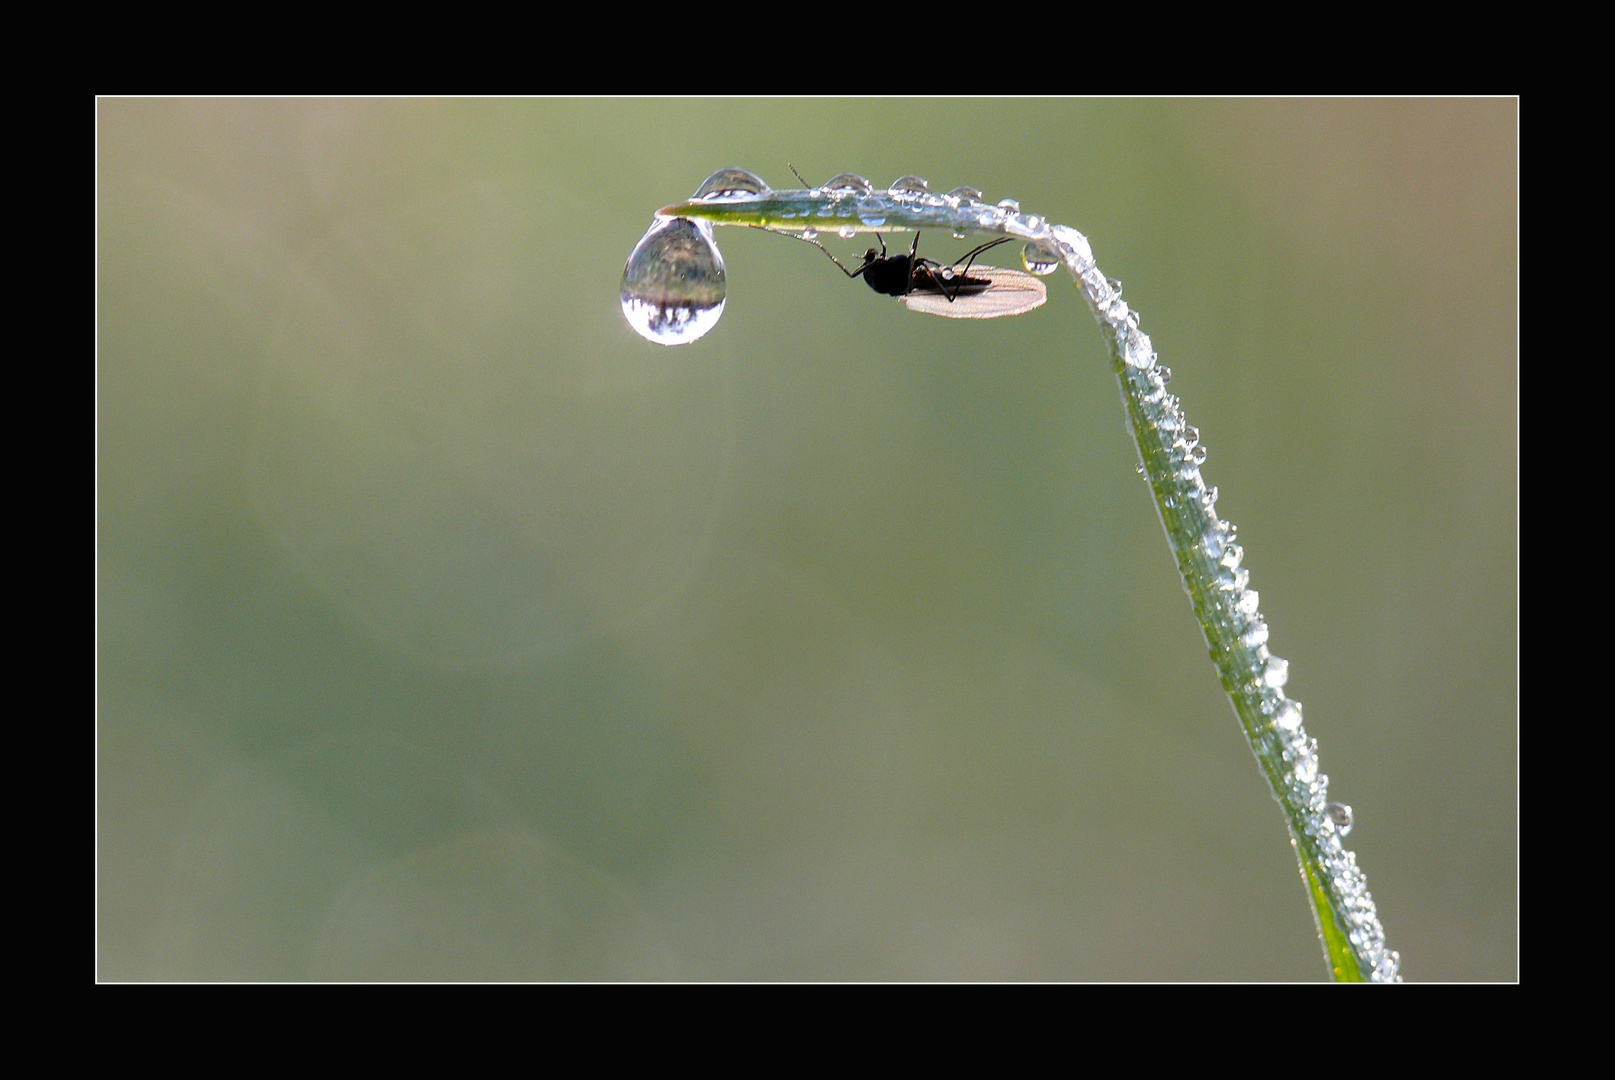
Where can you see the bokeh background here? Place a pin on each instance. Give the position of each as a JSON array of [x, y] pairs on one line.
[[449, 630]]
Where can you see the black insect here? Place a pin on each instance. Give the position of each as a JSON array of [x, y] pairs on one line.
[[959, 291]]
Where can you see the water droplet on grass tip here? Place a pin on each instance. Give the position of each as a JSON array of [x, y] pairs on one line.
[[673, 285]]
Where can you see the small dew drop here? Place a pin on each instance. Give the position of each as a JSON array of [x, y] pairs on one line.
[[848, 182], [909, 185], [959, 234], [963, 193], [673, 286], [1289, 717], [1012, 205], [1040, 257], [1340, 814], [1305, 769], [846, 232], [1277, 672], [730, 183], [810, 233]]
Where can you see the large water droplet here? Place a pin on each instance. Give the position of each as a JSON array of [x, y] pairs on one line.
[[848, 182], [729, 183], [909, 185], [963, 193], [1012, 205], [1040, 257], [673, 286], [1340, 814]]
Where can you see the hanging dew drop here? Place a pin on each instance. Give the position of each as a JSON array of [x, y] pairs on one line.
[[673, 285], [846, 232], [1040, 257], [810, 233]]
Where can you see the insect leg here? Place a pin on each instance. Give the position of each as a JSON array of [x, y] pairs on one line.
[[913, 251], [968, 258], [821, 247]]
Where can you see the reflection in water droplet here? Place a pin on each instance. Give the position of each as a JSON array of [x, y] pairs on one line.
[[727, 183], [908, 184], [847, 181], [1040, 257], [673, 285], [1340, 814]]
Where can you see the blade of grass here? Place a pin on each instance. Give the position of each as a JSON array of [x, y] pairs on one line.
[[1169, 448]]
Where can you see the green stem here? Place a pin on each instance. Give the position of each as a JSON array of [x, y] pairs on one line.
[[1209, 559]]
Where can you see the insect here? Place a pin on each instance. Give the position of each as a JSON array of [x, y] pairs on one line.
[[958, 291]]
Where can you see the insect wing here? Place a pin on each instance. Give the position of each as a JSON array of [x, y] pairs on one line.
[[1010, 292]]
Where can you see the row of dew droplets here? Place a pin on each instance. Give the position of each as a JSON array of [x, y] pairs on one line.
[[1326, 822], [674, 285], [1188, 498]]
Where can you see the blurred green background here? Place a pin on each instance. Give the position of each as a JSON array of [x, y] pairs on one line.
[[447, 629]]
